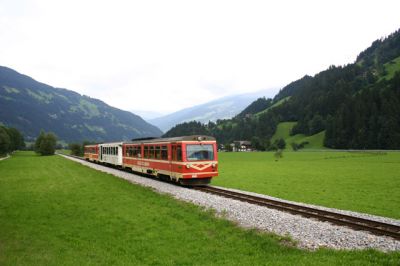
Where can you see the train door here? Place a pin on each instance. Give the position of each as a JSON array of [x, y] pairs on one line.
[[171, 161], [140, 156], [176, 158], [119, 154], [101, 152]]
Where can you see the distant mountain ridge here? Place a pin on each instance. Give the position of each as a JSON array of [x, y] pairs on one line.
[[222, 108], [30, 106]]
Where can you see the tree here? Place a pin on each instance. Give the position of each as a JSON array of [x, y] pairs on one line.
[[279, 144], [46, 143], [38, 141], [17, 140], [5, 141]]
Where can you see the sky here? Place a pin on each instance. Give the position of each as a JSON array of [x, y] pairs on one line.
[[163, 56]]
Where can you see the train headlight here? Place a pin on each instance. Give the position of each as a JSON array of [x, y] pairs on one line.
[[188, 166], [213, 165]]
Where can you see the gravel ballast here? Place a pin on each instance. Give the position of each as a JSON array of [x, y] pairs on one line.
[[308, 233]]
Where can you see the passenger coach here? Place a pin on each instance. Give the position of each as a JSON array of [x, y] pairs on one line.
[[189, 160]]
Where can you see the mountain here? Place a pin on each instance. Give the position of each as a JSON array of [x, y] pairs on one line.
[[356, 106], [147, 115], [30, 106], [223, 108]]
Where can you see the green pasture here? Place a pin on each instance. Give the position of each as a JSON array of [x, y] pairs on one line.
[[360, 181], [57, 212], [283, 131], [391, 68]]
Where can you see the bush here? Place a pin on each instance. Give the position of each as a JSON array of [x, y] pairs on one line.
[[297, 147], [279, 144], [278, 155], [76, 149]]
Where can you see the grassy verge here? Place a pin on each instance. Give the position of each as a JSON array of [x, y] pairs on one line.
[[66, 152], [359, 181], [54, 211]]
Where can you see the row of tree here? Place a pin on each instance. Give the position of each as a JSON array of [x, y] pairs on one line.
[[10, 140], [46, 143]]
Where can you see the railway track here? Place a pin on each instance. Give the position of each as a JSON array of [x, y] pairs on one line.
[[377, 228]]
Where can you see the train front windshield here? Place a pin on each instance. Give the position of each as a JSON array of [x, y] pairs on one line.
[[200, 152]]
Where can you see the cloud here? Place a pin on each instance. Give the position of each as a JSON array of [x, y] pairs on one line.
[[167, 55]]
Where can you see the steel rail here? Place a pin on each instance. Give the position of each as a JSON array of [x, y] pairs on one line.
[[375, 227]]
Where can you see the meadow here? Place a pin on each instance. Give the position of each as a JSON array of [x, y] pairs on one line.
[[57, 212], [360, 181]]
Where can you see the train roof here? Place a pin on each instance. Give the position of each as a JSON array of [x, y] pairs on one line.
[[157, 140], [174, 139]]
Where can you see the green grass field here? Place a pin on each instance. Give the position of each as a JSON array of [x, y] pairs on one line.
[[283, 131], [361, 181], [57, 212], [391, 68]]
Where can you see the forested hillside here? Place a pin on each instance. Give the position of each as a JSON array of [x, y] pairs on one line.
[[357, 105], [30, 106]]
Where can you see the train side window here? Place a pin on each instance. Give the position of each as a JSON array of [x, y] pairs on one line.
[[139, 152], [173, 152], [158, 152], [151, 152], [164, 153], [179, 153], [146, 151]]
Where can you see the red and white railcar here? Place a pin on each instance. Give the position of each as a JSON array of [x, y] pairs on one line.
[[189, 160], [91, 153]]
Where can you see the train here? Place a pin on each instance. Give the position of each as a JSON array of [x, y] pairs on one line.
[[187, 160]]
